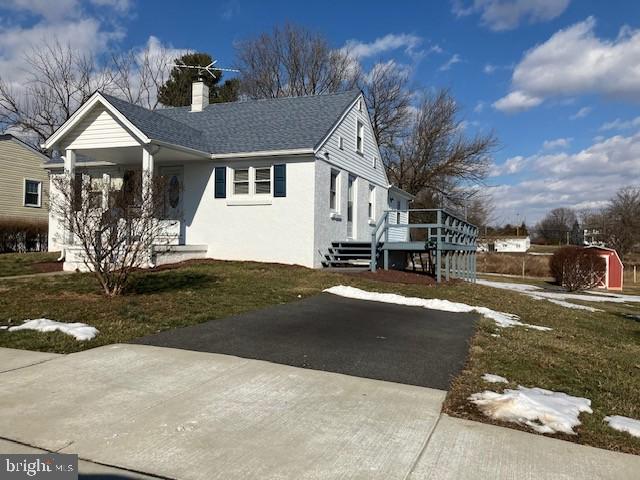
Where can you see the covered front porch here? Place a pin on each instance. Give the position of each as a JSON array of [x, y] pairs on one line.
[[110, 172]]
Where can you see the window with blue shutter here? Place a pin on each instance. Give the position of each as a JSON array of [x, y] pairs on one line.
[[220, 189], [280, 180]]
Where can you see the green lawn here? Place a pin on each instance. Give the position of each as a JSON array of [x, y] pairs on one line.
[[594, 355], [26, 263]]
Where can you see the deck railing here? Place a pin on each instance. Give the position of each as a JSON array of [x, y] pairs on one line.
[[439, 232]]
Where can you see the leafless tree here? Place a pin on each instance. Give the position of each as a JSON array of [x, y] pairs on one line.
[[480, 211], [437, 161], [59, 80], [388, 98], [114, 228], [136, 75], [622, 230], [292, 61], [556, 226]]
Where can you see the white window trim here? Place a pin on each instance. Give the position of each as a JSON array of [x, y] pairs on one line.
[[340, 142], [250, 198], [335, 212], [24, 193], [372, 202], [358, 125]]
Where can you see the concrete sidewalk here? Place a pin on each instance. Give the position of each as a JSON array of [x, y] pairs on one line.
[[13, 359], [191, 415]]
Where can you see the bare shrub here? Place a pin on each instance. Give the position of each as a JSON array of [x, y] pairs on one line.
[[115, 229], [577, 268], [18, 235]]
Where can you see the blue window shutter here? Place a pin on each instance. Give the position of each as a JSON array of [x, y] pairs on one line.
[[220, 190], [280, 180]]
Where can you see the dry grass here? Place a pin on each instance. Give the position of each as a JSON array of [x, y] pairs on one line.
[[26, 263], [512, 264], [592, 355]]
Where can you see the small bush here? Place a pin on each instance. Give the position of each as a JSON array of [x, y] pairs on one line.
[[18, 235], [577, 268]]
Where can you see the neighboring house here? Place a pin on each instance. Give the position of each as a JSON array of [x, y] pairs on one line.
[[504, 244], [273, 180], [24, 183], [592, 237]]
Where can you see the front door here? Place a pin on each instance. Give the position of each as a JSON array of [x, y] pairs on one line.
[[173, 202], [350, 205]]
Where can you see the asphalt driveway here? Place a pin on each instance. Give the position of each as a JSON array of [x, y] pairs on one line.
[[374, 340]]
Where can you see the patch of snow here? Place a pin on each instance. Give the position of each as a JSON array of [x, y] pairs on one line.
[[624, 424], [80, 331], [542, 410], [502, 319], [495, 335], [4, 327], [575, 306], [560, 298], [491, 378]]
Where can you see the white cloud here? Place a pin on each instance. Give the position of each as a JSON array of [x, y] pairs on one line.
[[479, 108], [408, 42], [509, 167], [83, 35], [517, 101], [619, 124], [583, 112], [229, 10], [119, 5], [575, 61], [60, 9], [501, 15], [558, 143], [455, 58], [489, 69], [585, 179]]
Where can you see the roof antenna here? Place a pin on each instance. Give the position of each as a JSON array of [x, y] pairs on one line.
[[209, 68]]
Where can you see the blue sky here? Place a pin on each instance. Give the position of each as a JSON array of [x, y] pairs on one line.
[[556, 80]]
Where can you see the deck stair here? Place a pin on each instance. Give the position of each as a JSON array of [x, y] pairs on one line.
[[349, 254]]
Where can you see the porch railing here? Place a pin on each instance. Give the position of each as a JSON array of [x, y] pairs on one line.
[[438, 232]]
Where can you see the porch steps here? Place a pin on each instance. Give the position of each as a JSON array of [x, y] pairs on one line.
[[349, 254]]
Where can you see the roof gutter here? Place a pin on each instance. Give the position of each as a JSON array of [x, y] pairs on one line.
[[263, 153]]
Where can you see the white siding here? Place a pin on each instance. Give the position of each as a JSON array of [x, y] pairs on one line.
[[281, 231], [398, 216], [99, 129], [360, 164]]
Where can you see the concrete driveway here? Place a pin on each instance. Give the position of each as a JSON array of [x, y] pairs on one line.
[[133, 411], [326, 332]]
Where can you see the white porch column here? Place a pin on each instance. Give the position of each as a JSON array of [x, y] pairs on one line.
[[70, 172], [148, 166], [148, 201]]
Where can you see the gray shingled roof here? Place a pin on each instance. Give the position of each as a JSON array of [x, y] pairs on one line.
[[239, 127], [159, 127]]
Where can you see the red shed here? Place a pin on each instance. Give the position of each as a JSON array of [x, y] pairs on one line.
[[615, 269]]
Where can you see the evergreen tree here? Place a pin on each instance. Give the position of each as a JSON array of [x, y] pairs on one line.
[[176, 91]]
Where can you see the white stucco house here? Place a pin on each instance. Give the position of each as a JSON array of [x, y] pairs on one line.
[[272, 180]]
